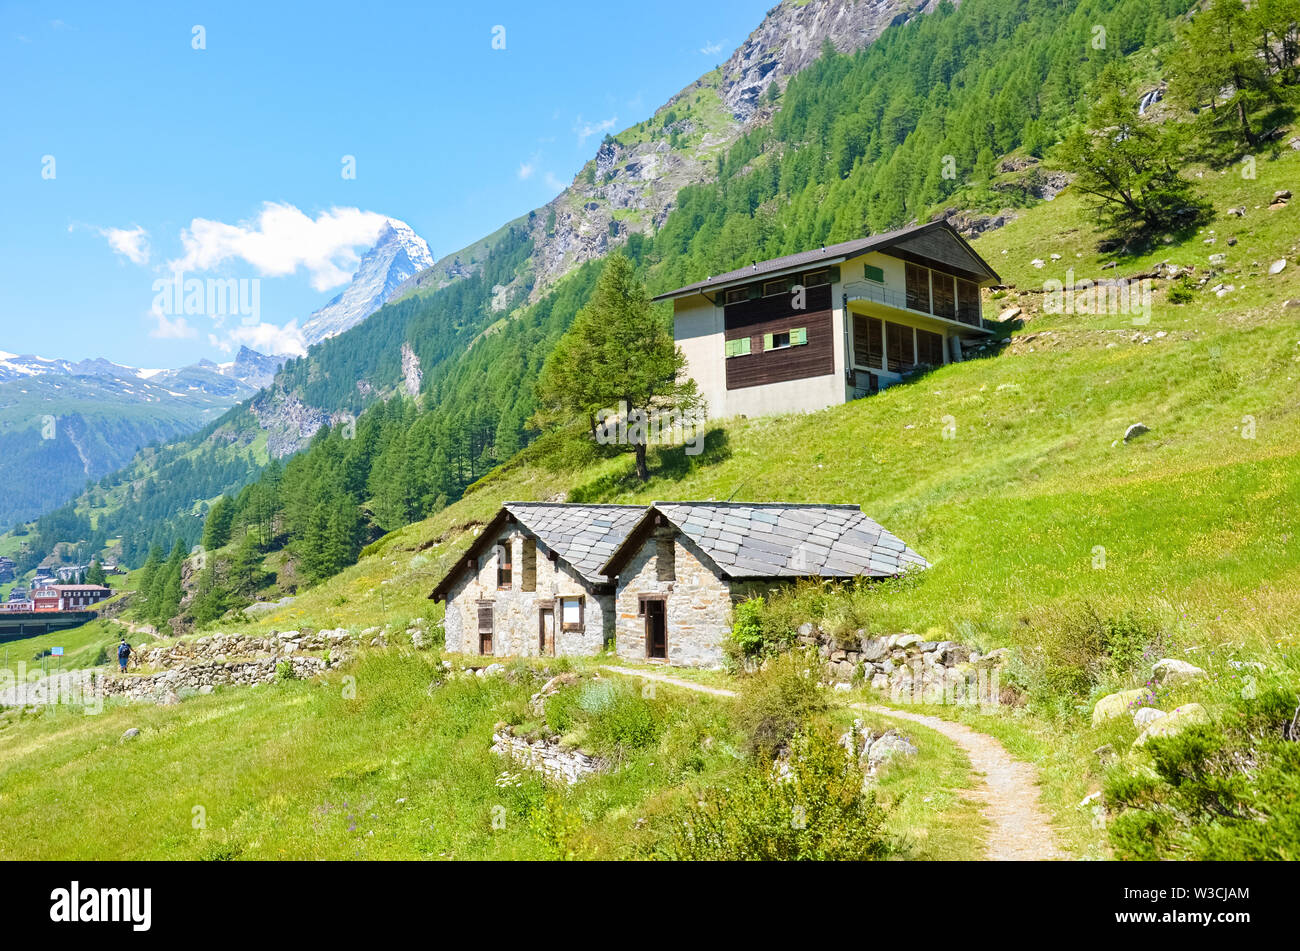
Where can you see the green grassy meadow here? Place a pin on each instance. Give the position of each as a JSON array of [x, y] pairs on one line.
[[1008, 472]]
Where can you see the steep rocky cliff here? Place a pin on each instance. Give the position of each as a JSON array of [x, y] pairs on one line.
[[631, 183]]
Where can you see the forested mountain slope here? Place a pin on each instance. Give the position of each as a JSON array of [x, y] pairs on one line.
[[852, 143]]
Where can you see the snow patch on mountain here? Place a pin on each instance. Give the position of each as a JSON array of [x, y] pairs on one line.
[[398, 254]]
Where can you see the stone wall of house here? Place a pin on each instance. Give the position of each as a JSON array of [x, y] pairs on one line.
[[697, 603], [515, 611]]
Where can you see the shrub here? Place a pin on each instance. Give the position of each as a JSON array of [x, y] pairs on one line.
[[562, 710], [777, 702], [1182, 291], [818, 812], [1224, 791], [284, 671], [1079, 646], [747, 630], [619, 721]]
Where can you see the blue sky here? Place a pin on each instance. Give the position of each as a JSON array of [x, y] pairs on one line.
[[122, 142]]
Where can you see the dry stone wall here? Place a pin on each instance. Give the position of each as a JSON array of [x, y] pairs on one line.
[[908, 666]]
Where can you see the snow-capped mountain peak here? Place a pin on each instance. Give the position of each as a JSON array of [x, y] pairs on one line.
[[398, 254]]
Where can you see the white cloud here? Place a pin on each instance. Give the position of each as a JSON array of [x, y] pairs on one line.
[[711, 49], [281, 239], [168, 329], [586, 130], [526, 169], [264, 338], [131, 243]]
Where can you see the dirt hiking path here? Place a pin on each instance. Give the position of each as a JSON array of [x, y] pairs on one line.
[[1019, 830]]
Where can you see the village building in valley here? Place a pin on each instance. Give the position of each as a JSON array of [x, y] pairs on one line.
[[657, 583], [822, 327]]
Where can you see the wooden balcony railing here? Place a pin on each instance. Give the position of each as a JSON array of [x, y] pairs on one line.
[[867, 290]]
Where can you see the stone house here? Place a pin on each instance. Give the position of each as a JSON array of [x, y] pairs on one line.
[[531, 583], [657, 583], [819, 328], [683, 565]]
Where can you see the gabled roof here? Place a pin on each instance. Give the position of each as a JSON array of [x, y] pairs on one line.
[[835, 253], [779, 540], [584, 536]]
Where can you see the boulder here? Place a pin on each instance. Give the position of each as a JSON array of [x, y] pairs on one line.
[[131, 734], [1144, 715], [1173, 722], [907, 640], [1171, 671], [1277, 266], [951, 654], [1116, 704], [875, 649], [886, 747], [994, 658], [1134, 431]]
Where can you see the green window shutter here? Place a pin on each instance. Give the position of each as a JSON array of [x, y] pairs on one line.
[[875, 274], [798, 336], [743, 348], [835, 273], [767, 341], [731, 348]]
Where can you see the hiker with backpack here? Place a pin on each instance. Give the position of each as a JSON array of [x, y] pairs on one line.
[[123, 654]]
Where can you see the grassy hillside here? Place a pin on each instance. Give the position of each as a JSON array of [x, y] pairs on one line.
[[302, 771], [1197, 522], [1047, 532]]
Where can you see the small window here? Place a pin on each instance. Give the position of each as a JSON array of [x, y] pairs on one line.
[[528, 571], [773, 288], [798, 336], [815, 278], [737, 294], [738, 347], [776, 341], [875, 274], [505, 570], [571, 613], [666, 558]]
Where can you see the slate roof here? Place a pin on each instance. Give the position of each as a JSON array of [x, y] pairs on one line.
[[780, 540], [830, 254], [583, 535]]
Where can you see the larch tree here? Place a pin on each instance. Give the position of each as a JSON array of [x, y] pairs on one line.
[[618, 357]]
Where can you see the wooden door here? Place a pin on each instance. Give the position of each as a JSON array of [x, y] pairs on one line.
[[656, 629], [485, 628], [546, 631]]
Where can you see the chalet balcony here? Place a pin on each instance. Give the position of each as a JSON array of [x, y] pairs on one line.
[[918, 301]]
